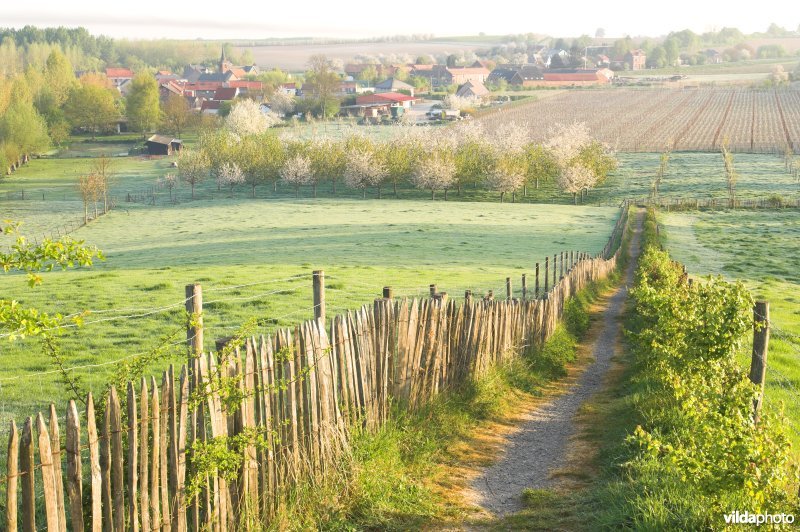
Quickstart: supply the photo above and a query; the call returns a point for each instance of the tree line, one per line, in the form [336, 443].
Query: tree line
[437, 160]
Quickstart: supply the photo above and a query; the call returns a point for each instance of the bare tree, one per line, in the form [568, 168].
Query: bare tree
[296, 171]
[730, 173]
[282, 104]
[102, 168]
[88, 187]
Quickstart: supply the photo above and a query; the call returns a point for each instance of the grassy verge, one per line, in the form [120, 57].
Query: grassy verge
[409, 474]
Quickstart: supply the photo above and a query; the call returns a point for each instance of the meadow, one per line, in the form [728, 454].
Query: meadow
[763, 250]
[254, 259]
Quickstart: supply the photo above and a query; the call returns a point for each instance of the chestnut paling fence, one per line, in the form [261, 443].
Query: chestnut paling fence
[219, 443]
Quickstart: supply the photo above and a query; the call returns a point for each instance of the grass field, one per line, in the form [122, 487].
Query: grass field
[152, 252]
[763, 250]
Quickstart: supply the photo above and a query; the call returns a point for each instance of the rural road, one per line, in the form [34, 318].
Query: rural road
[540, 445]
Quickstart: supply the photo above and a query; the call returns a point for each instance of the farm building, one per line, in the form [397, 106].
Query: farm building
[162, 145]
[394, 85]
[441, 76]
[577, 77]
[473, 89]
[390, 98]
[520, 75]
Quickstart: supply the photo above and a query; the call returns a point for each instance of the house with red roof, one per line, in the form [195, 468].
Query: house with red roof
[119, 76]
[390, 98]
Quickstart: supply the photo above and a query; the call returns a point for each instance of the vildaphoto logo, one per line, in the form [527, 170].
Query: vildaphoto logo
[747, 518]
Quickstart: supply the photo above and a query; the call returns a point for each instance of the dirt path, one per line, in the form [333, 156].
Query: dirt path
[540, 445]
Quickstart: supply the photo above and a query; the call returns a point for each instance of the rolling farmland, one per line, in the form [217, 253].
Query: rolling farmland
[753, 121]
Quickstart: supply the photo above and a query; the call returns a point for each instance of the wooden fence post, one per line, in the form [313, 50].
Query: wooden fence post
[433, 290]
[546, 273]
[562, 265]
[12, 464]
[555, 268]
[388, 293]
[536, 290]
[758, 363]
[467, 297]
[509, 290]
[524, 286]
[194, 330]
[319, 294]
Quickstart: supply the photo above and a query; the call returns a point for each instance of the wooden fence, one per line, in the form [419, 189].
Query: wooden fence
[219, 445]
[694, 204]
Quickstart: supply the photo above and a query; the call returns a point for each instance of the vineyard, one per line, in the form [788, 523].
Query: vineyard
[750, 120]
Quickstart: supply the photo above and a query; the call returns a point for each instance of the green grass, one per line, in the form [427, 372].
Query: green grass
[763, 250]
[152, 252]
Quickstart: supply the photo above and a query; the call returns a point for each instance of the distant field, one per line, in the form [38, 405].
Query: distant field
[731, 69]
[755, 121]
[294, 58]
[763, 250]
[152, 252]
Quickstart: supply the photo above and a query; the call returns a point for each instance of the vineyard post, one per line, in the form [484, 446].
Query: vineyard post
[758, 363]
[319, 294]
[194, 329]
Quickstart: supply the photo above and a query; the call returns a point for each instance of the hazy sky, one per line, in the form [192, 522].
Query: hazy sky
[215, 19]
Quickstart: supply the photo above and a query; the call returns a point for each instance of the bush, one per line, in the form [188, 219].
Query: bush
[698, 454]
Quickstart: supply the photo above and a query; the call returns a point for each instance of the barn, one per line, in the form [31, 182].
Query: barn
[162, 145]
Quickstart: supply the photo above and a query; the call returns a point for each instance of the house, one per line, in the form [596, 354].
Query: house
[473, 89]
[519, 75]
[124, 86]
[713, 57]
[290, 89]
[442, 76]
[577, 77]
[165, 89]
[118, 76]
[246, 86]
[394, 85]
[225, 94]
[384, 98]
[636, 59]
[355, 70]
[192, 73]
[165, 75]
[210, 107]
[163, 145]
[554, 57]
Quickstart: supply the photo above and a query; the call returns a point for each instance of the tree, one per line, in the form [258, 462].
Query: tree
[192, 167]
[230, 175]
[672, 51]
[574, 179]
[657, 57]
[600, 33]
[91, 108]
[325, 81]
[730, 173]
[59, 77]
[282, 104]
[170, 181]
[247, 118]
[22, 127]
[296, 171]
[434, 171]
[268, 160]
[102, 169]
[363, 170]
[778, 76]
[539, 164]
[399, 156]
[176, 113]
[473, 155]
[89, 187]
[142, 103]
[505, 177]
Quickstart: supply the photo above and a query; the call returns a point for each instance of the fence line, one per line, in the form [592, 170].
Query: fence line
[282, 407]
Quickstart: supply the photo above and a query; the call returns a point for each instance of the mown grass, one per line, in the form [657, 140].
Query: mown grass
[152, 253]
[402, 477]
[763, 250]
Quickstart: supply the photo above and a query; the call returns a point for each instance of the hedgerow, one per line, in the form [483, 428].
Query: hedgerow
[698, 452]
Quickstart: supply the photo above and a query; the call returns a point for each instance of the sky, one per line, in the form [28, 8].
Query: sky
[209, 19]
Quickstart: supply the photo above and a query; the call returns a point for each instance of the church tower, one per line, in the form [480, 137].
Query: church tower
[224, 64]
